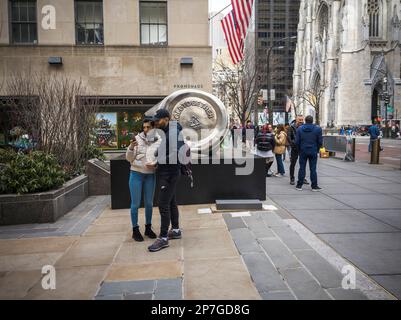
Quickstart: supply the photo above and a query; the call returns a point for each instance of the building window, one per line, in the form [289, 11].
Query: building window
[153, 23]
[23, 22]
[89, 21]
[323, 20]
[374, 18]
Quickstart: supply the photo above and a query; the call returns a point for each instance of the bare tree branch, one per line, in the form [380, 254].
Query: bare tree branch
[238, 86]
[49, 109]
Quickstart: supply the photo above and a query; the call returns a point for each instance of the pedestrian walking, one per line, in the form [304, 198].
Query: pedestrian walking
[309, 140]
[279, 149]
[265, 143]
[294, 155]
[168, 172]
[141, 155]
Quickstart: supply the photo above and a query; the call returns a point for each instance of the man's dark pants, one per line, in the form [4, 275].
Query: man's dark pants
[167, 202]
[312, 158]
[293, 158]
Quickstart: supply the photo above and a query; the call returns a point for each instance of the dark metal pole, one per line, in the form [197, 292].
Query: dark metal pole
[268, 82]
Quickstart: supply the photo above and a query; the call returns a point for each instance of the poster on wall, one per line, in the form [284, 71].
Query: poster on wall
[263, 118]
[278, 118]
[106, 130]
[129, 125]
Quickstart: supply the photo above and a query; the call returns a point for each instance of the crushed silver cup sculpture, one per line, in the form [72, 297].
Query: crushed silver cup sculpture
[203, 117]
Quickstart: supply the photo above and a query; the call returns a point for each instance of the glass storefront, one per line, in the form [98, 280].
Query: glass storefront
[118, 120]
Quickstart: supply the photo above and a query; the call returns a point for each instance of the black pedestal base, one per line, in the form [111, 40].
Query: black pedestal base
[211, 182]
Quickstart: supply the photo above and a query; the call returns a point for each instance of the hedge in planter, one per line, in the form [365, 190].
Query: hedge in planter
[29, 173]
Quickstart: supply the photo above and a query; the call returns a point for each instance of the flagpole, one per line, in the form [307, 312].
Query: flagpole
[219, 12]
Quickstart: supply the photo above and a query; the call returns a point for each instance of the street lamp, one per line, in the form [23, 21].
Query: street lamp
[268, 75]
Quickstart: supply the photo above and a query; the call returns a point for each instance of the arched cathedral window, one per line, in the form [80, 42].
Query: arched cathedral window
[374, 18]
[323, 19]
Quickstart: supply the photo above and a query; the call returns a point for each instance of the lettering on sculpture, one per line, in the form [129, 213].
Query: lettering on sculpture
[194, 122]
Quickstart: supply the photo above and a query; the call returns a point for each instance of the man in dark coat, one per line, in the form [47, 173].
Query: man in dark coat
[309, 140]
[291, 136]
[168, 172]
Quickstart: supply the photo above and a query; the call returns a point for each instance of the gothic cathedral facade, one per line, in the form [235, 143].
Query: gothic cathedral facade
[348, 61]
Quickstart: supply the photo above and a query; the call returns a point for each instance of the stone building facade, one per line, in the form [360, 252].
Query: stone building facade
[348, 54]
[132, 53]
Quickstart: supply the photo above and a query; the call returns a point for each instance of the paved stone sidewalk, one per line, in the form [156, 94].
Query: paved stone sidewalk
[294, 252]
[72, 224]
[358, 214]
[284, 266]
[105, 263]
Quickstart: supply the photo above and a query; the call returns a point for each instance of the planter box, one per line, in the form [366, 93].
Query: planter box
[45, 206]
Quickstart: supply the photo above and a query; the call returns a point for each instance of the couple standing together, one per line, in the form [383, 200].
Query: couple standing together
[145, 153]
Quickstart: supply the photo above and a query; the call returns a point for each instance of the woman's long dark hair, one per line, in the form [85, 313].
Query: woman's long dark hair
[280, 128]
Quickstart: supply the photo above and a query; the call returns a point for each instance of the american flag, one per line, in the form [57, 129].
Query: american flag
[243, 12]
[233, 37]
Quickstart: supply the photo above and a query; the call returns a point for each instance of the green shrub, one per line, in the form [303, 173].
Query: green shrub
[92, 152]
[33, 172]
[6, 155]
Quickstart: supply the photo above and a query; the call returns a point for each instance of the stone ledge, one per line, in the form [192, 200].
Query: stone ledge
[45, 206]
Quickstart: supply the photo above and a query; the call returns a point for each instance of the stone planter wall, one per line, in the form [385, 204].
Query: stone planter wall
[45, 206]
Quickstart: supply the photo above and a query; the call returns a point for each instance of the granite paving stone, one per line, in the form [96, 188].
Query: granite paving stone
[168, 289]
[303, 285]
[391, 282]
[257, 226]
[139, 296]
[233, 223]
[374, 253]
[245, 241]
[349, 294]
[282, 258]
[122, 287]
[340, 221]
[371, 201]
[325, 273]
[290, 238]
[263, 273]
[277, 295]
[110, 297]
[389, 216]
[304, 201]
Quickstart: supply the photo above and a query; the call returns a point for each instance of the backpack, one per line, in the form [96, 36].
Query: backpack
[264, 141]
[186, 169]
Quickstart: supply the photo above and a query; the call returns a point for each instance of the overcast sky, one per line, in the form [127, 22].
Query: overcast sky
[217, 5]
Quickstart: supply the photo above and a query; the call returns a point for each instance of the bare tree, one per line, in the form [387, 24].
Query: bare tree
[49, 108]
[238, 85]
[296, 103]
[313, 97]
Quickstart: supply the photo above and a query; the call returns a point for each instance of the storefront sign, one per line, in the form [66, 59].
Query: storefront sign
[188, 86]
[120, 101]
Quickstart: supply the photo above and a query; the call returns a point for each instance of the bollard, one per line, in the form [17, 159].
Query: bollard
[375, 154]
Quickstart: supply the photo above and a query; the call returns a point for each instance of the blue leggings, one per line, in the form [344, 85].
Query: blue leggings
[137, 182]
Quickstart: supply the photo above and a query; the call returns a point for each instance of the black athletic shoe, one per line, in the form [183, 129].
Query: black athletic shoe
[149, 232]
[173, 235]
[306, 182]
[158, 245]
[316, 189]
[136, 234]
[292, 181]
[298, 187]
